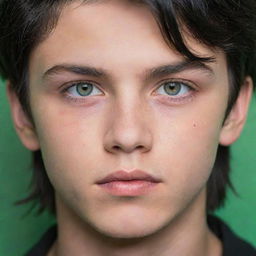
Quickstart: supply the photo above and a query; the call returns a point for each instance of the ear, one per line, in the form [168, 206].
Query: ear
[23, 125]
[235, 121]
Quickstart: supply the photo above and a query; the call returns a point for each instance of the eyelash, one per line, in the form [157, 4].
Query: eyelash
[74, 84]
[191, 87]
[175, 99]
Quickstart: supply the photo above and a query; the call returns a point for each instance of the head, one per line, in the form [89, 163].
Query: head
[168, 86]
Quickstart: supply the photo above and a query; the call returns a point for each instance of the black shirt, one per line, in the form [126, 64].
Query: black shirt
[232, 244]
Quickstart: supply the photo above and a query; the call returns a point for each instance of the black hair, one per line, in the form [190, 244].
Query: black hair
[226, 25]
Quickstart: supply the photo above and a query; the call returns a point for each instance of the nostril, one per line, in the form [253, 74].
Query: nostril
[127, 149]
[116, 147]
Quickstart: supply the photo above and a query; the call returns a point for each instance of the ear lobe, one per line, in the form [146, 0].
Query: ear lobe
[22, 124]
[235, 121]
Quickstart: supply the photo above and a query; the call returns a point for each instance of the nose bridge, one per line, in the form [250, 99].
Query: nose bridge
[129, 128]
[128, 109]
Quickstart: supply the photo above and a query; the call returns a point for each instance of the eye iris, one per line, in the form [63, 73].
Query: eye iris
[84, 89]
[172, 88]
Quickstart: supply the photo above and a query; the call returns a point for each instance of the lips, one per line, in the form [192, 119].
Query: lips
[122, 183]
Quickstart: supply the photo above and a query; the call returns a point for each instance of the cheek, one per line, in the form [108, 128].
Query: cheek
[69, 145]
[188, 147]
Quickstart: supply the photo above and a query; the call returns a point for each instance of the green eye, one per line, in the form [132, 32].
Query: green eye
[84, 89]
[173, 88]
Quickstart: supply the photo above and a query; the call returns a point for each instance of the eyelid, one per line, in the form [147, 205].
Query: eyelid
[187, 83]
[178, 80]
[69, 85]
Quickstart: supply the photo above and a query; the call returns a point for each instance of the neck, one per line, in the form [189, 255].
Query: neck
[187, 234]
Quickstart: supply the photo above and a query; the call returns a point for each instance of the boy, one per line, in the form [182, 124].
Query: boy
[134, 165]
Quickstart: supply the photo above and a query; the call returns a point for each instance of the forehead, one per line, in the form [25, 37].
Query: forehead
[106, 34]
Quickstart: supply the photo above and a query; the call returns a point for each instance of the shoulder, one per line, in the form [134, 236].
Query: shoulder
[232, 244]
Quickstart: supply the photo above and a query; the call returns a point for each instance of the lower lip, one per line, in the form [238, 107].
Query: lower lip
[128, 188]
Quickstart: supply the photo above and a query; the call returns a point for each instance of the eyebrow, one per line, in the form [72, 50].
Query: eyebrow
[177, 68]
[80, 70]
[152, 73]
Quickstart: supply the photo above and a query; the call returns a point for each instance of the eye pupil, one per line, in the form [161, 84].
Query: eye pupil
[84, 89]
[172, 88]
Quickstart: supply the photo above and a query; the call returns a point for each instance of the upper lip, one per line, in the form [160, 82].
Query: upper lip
[122, 175]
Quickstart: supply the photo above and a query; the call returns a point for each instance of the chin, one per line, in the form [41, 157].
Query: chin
[132, 233]
[123, 227]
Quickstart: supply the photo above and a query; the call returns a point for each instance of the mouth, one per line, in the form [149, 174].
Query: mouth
[123, 183]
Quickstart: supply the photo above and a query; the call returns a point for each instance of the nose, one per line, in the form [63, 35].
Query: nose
[129, 131]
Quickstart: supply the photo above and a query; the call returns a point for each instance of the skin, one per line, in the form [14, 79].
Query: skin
[128, 123]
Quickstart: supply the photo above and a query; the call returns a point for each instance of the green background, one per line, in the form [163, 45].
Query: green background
[19, 230]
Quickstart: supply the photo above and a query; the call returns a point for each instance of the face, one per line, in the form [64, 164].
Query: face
[108, 94]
